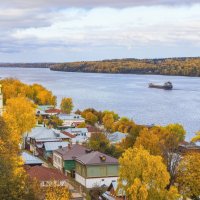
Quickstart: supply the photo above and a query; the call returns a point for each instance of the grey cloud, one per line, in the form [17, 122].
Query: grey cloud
[53, 4]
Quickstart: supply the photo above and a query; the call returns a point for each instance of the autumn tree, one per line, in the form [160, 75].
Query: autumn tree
[98, 142]
[21, 111]
[144, 177]
[54, 192]
[108, 121]
[82, 125]
[188, 176]
[66, 105]
[196, 138]
[14, 183]
[91, 118]
[163, 141]
[54, 122]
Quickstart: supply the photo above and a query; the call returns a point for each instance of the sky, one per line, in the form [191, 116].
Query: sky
[78, 30]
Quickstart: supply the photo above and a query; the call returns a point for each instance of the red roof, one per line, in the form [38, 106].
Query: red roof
[53, 110]
[68, 134]
[45, 174]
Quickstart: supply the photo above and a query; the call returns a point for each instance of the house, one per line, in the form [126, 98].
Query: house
[69, 119]
[49, 147]
[186, 147]
[96, 169]
[47, 176]
[64, 158]
[35, 140]
[81, 135]
[31, 160]
[113, 194]
[116, 137]
[53, 112]
[40, 110]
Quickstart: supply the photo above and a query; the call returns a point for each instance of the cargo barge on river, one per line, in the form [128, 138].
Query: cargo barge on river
[167, 86]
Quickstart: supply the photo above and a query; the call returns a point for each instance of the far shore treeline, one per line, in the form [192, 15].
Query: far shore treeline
[166, 66]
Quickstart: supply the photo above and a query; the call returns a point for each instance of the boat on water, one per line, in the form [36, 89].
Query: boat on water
[166, 86]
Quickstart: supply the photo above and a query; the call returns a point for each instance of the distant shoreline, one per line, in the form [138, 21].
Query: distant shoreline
[165, 66]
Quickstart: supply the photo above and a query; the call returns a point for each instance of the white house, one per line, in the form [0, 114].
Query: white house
[69, 120]
[96, 169]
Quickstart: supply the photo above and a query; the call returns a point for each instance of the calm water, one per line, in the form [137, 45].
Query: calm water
[128, 95]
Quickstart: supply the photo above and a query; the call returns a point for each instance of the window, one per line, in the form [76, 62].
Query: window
[112, 170]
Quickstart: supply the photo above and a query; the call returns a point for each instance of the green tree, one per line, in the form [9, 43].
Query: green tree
[66, 105]
[98, 142]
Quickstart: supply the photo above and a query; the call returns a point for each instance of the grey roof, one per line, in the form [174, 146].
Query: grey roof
[30, 159]
[77, 130]
[76, 150]
[51, 146]
[70, 117]
[94, 158]
[117, 137]
[43, 133]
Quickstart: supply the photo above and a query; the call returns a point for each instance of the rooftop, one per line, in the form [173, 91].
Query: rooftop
[30, 159]
[70, 117]
[75, 151]
[43, 133]
[52, 146]
[53, 110]
[96, 158]
[117, 137]
[45, 174]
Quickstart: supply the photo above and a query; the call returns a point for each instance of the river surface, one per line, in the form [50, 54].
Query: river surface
[126, 94]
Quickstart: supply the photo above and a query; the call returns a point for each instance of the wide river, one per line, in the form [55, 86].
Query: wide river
[127, 95]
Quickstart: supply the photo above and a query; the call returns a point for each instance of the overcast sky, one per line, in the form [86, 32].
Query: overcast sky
[74, 30]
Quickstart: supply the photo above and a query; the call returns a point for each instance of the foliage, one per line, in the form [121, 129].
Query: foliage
[197, 137]
[91, 118]
[168, 66]
[41, 95]
[14, 184]
[163, 141]
[21, 111]
[108, 121]
[66, 105]
[148, 178]
[96, 192]
[54, 192]
[98, 142]
[82, 125]
[54, 122]
[188, 177]
[14, 88]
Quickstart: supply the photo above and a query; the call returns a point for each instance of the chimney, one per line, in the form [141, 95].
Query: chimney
[60, 147]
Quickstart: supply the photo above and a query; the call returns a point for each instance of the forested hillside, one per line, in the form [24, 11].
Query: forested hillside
[168, 66]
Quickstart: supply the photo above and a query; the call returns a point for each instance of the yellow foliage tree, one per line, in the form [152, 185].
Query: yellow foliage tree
[144, 176]
[21, 113]
[108, 121]
[66, 105]
[163, 141]
[188, 176]
[54, 192]
[196, 138]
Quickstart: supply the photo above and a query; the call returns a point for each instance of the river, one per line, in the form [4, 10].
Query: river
[126, 94]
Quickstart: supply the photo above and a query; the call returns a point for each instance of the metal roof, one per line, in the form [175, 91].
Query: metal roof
[51, 146]
[30, 159]
[43, 133]
[117, 137]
